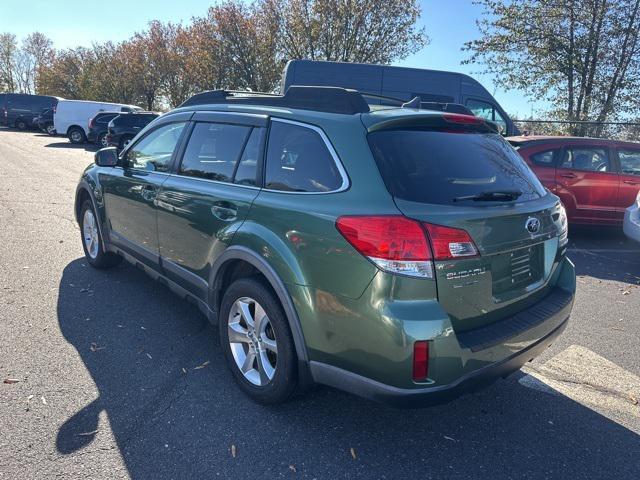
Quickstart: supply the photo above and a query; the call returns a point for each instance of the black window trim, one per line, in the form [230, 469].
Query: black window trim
[615, 167]
[334, 155]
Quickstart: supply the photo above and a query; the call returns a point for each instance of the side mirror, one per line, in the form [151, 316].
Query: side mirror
[106, 157]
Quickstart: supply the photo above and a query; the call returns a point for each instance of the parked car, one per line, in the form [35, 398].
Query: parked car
[431, 86]
[98, 128]
[631, 225]
[596, 179]
[123, 128]
[328, 248]
[72, 117]
[19, 109]
[44, 121]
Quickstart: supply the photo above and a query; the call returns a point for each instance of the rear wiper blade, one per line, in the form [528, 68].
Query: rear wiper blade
[494, 196]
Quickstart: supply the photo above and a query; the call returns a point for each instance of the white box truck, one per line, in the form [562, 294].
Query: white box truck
[72, 117]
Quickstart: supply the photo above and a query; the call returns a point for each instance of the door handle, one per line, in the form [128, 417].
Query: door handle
[224, 211]
[631, 182]
[568, 175]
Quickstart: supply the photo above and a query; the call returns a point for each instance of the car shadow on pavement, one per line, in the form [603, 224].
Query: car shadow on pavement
[89, 147]
[175, 412]
[604, 253]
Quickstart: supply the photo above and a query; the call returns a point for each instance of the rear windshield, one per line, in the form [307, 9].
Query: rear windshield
[439, 167]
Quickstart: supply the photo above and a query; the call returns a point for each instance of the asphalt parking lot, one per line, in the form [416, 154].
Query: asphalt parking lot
[119, 378]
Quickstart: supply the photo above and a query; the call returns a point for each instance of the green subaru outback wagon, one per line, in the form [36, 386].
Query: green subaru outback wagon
[404, 255]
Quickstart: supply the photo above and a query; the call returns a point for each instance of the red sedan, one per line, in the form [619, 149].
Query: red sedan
[595, 179]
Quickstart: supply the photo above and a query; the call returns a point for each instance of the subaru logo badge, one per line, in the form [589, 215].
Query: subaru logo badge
[532, 225]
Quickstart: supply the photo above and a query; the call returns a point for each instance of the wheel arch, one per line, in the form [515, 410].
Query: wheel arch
[71, 127]
[85, 192]
[237, 253]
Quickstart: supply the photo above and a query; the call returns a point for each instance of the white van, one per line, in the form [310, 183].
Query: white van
[72, 117]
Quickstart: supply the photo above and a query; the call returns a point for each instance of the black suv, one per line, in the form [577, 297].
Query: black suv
[44, 121]
[98, 128]
[124, 127]
[19, 109]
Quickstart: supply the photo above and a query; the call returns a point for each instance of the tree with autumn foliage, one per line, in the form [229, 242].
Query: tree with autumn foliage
[236, 45]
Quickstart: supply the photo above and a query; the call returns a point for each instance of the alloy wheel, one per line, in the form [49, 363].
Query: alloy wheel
[252, 341]
[90, 234]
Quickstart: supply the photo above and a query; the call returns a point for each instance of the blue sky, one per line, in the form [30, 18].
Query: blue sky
[71, 23]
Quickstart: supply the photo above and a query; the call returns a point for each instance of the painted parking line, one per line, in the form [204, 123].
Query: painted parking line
[588, 379]
[602, 250]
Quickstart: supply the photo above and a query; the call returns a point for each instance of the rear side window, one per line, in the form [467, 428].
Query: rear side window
[586, 159]
[144, 120]
[544, 159]
[298, 160]
[124, 120]
[431, 166]
[247, 170]
[213, 151]
[105, 118]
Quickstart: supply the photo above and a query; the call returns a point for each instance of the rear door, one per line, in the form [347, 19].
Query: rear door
[588, 184]
[202, 205]
[629, 167]
[443, 177]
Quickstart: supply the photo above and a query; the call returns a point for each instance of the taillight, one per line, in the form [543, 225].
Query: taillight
[91, 123]
[449, 243]
[400, 245]
[394, 243]
[420, 360]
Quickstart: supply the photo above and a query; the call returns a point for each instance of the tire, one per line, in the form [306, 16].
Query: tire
[76, 135]
[101, 141]
[21, 124]
[94, 250]
[50, 129]
[256, 382]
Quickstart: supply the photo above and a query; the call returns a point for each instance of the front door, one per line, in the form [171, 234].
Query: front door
[205, 202]
[629, 160]
[130, 192]
[587, 183]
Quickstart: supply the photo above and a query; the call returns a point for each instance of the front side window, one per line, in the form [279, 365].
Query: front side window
[155, 150]
[629, 162]
[298, 160]
[487, 111]
[586, 159]
[213, 151]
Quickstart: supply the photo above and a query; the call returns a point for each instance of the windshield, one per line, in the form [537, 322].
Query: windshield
[441, 167]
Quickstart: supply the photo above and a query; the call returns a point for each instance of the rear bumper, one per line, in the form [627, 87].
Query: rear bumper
[422, 397]
[458, 362]
[631, 224]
